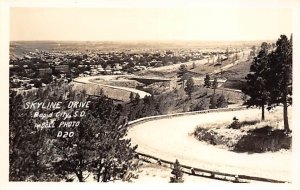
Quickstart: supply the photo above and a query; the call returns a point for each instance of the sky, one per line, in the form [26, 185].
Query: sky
[134, 24]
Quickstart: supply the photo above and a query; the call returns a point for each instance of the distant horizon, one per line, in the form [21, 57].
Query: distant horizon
[149, 24]
[129, 41]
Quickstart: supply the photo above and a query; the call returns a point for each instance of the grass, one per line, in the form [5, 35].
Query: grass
[236, 75]
[251, 135]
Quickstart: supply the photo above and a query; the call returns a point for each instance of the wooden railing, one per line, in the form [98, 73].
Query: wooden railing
[236, 178]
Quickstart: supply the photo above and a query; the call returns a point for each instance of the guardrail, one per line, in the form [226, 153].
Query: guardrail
[150, 118]
[236, 178]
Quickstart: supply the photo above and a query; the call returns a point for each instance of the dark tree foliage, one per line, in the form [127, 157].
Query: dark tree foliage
[213, 102]
[182, 73]
[257, 85]
[137, 98]
[222, 102]
[177, 173]
[131, 97]
[215, 85]
[27, 153]
[147, 106]
[270, 79]
[207, 82]
[37, 83]
[217, 101]
[190, 87]
[99, 145]
[280, 76]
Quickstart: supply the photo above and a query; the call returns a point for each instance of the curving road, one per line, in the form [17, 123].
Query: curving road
[87, 80]
[171, 138]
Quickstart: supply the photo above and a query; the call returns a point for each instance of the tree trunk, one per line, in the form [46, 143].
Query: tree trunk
[79, 176]
[263, 112]
[285, 117]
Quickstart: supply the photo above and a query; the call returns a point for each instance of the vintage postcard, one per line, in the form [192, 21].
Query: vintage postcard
[192, 93]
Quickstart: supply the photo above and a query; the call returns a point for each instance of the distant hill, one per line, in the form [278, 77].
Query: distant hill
[21, 47]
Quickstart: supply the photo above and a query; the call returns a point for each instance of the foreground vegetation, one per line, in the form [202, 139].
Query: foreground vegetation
[97, 146]
[249, 135]
[268, 84]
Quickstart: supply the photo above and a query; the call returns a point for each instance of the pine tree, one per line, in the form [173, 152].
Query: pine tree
[190, 86]
[257, 85]
[280, 76]
[207, 81]
[26, 143]
[137, 98]
[182, 73]
[177, 172]
[98, 145]
[131, 97]
[222, 102]
[215, 85]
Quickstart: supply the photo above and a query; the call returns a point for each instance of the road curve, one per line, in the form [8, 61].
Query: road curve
[171, 138]
[87, 80]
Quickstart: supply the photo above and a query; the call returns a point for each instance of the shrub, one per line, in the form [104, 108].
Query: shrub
[235, 125]
[177, 172]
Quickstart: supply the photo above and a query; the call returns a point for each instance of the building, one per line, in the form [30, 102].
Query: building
[44, 71]
[62, 68]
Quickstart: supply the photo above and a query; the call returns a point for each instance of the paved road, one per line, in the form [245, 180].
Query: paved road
[172, 139]
[175, 67]
[87, 80]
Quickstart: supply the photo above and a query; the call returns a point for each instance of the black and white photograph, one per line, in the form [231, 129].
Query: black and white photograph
[198, 93]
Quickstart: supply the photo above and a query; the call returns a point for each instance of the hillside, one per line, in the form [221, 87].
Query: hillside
[236, 75]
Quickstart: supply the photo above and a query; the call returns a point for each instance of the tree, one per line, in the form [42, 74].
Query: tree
[280, 76]
[177, 172]
[257, 85]
[207, 81]
[26, 143]
[222, 102]
[213, 102]
[37, 83]
[137, 98]
[215, 85]
[131, 97]
[182, 73]
[190, 86]
[98, 146]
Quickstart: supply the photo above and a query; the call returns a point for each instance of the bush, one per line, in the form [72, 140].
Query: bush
[235, 125]
[177, 172]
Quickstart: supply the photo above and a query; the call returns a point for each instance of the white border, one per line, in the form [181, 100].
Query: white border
[5, 6]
